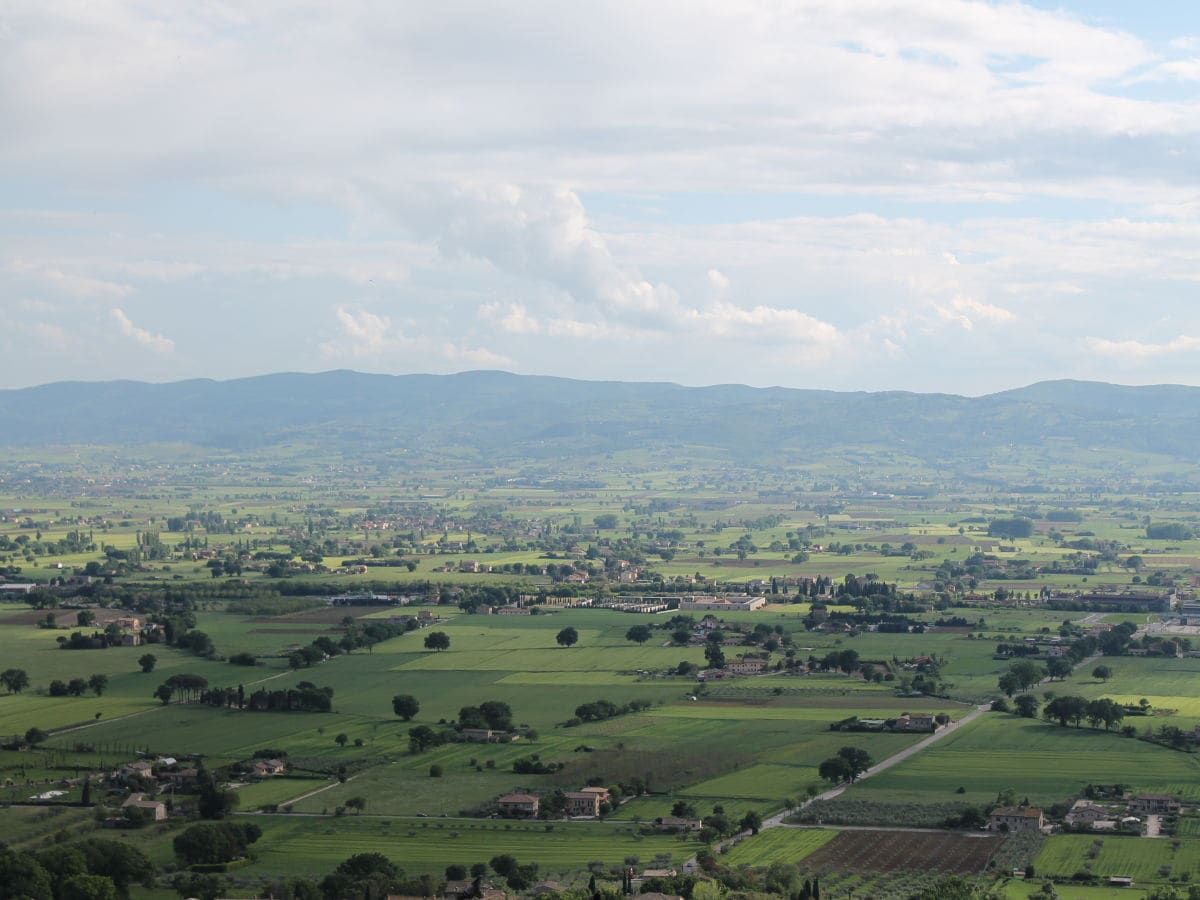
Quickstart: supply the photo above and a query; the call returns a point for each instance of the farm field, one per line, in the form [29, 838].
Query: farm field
[786, 845]
[1146, 860]
[305, 846]
[721, 749]
[899, 851]
[1043, 762]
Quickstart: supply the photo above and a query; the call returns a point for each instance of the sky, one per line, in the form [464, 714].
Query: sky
[928, 195]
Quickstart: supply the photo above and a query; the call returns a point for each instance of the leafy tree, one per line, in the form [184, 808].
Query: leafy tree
[358, 803]
[98, 683]
[568, 637]
[77, 687]
[437, 640]
[1102, 672]
[835, 770]
[164, 692]
[639, 634]
[341, 739]
[714, 655]
[1027, 706]
[147, 661]
[21, 878]
[215, 842]
[119, 861]
[857, 760]
[35, 736]
[1021, 676]
[215, 802]
[1105, 712]
[1066, 709]
[497, 714]
[363, 875]
[1010, 528]
[14, 680]
[751, 822]
[421, 738]
[201, 886]
[405, 706]
[1058, 667]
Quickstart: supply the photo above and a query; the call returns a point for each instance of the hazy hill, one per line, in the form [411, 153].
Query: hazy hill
[498, 415]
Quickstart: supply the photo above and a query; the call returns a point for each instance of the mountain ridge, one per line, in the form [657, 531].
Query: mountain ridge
[490, 413]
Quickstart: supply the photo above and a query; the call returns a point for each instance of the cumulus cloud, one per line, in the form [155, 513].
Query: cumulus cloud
[464, 198]
[967, 311]
[156, 342]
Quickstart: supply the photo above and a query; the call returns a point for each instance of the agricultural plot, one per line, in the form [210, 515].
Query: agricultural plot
[312, 847]
[899, 851]
[1043, 762]
[779, 845]
[1146, 860]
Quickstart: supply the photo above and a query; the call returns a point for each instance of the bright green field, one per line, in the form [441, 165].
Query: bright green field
[786, 845]
[1044, 762]
[1135, 857]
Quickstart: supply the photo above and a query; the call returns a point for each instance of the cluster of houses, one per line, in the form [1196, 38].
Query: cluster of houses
[583, 803]
[907, 723]
[1091, 815]
[1122, 814]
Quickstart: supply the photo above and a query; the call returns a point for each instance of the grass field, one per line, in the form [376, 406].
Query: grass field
[786, 845]
[1043, 762]
[1146, 860]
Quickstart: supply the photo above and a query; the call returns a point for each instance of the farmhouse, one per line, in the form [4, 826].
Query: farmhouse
[1016, 818]
[1086, 812]
[747, 665]
[1154, 805]
[722, 604]
[511, 611]
[678, 823]
[267, 767]
[157, 810]
[601, 792]
[484, 736]
[519, 806]
[918, 723]
[582, 803]
[136, 770]
[10, 589]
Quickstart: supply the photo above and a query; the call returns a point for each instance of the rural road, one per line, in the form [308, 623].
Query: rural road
[776, 821]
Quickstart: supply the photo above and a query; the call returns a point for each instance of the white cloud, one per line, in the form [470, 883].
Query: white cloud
[1135, 352]
[419, 160]
[967, 311]
[371, 337]
[156, 342]
[1173, 70]
[718, 279]
[71, 284]
[364, 334]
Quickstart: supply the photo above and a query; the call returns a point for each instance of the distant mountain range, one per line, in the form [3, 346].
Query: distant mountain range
[495, 416]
